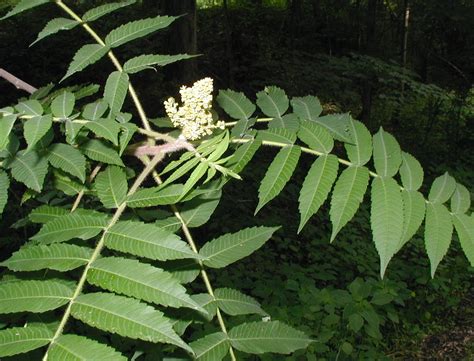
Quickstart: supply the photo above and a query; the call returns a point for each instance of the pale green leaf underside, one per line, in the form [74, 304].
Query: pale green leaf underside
[213, 347]
[360, 151]
[63, 105]
[126, 317]
[461, 200]
[100, 152]
[262, 337]
[30, 107]
[24, 5]
[16, 340]
[68, 159]
[387, 154]
[386, 218]
[139, 280]
[278, 174]
[438, 233]
[316, 187]
[4, 185]
[80, 348]
[95, 111]
[273, 101]
[287, 121]
[147, 240]
[347, 195]
[35, 128]
[413, 214]
[232, 247]
[116, 89]
[442, 189]
[33, 296]
[59, 257]
[102, 10]
[465, 229]
[6, 125]
[85, 56]
[111, 186]
[316, 137]
[337, 125]
[143, 62]
[236, 104]
[411, 172]
[307, 108]
[234, 302]
[30, 169]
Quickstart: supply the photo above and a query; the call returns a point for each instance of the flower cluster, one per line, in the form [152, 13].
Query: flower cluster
[194, 117]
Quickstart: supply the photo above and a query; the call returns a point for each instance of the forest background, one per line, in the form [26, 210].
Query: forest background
[406, 65]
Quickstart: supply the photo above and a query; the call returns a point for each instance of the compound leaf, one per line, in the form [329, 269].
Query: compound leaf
[111, 185]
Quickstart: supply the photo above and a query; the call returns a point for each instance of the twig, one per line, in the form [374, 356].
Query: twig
[18, 83]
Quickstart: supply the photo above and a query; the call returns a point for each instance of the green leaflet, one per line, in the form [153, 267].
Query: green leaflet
[102, 10]
[68, 159]
[262, 337]
[316, 137]
[30, 169]
[411, 172]
[111, 186]
[199, 210]
[155, 196]
[279, 135]
[232, 247]
[35, 128]
[147, 240]
[287, 121]
[46, 213]
[126, 133]
[387, 154]
[24, 5]
[4, 185]
[33, 296]
[386, 218]
[30, 107]
[461, 200]
[307, 108]
[235, 104]
[465, 229]
[234, 302]
[137, 29]
[54, 26]
[59, 257]
[6, 125]
[316, 186]
[337, 125]
[213, 347]
[143, 62]
[66, 184]
[100, 152]
[85, 56]
[126, 317]
[273, 101]
[86, 91]
[16, 340]
[75, 348]
[278, 174]
[141, 281]
[94, 111]
[442, 189]
[105, 128]
[116, 89]
[413, 214]
[70, 226]
[243, 155]
[347, 195]
[242, 128]
[438, 233]
[360, 151]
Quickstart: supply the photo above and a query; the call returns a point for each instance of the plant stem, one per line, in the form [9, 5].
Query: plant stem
[98, 248]
[81, 193]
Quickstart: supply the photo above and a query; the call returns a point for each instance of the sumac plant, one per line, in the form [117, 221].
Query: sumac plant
[114, 251]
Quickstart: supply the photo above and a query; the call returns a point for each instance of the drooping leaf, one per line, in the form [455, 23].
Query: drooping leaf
[16, 340]
[316, 187]
[143, 62]
[155, 196]
[413, 214]
[360, 151]
[6, 125]
[68, 159]
[30, 169]
[235, 104]
[24, 5]
[111, 185]
[85, 56]
[442, 189]
[386, 218]
[101, 152]
[213, 347]
[465, 229]
[273, 101]
[234, 302]
[307, 108]
[147, 240]
[262, 337]
[387, 154]
[232, 247]
[137, 29]
[30, 107]
[102, 10]
[46, 213]
[35, 128]
[338, 126]
[4, 185]
[278, 174]
[33, 296]
[70, 226]
[438, 233]
[279, 135]
[243, 155]
[59, 257]
[199, 210]
[411, 172]
[96, 110]
[316, 137]
[116, 89]
[126, 317]
[55, 25]
[141, 281]
[461, 200]
[347, 195]
[75, 348]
